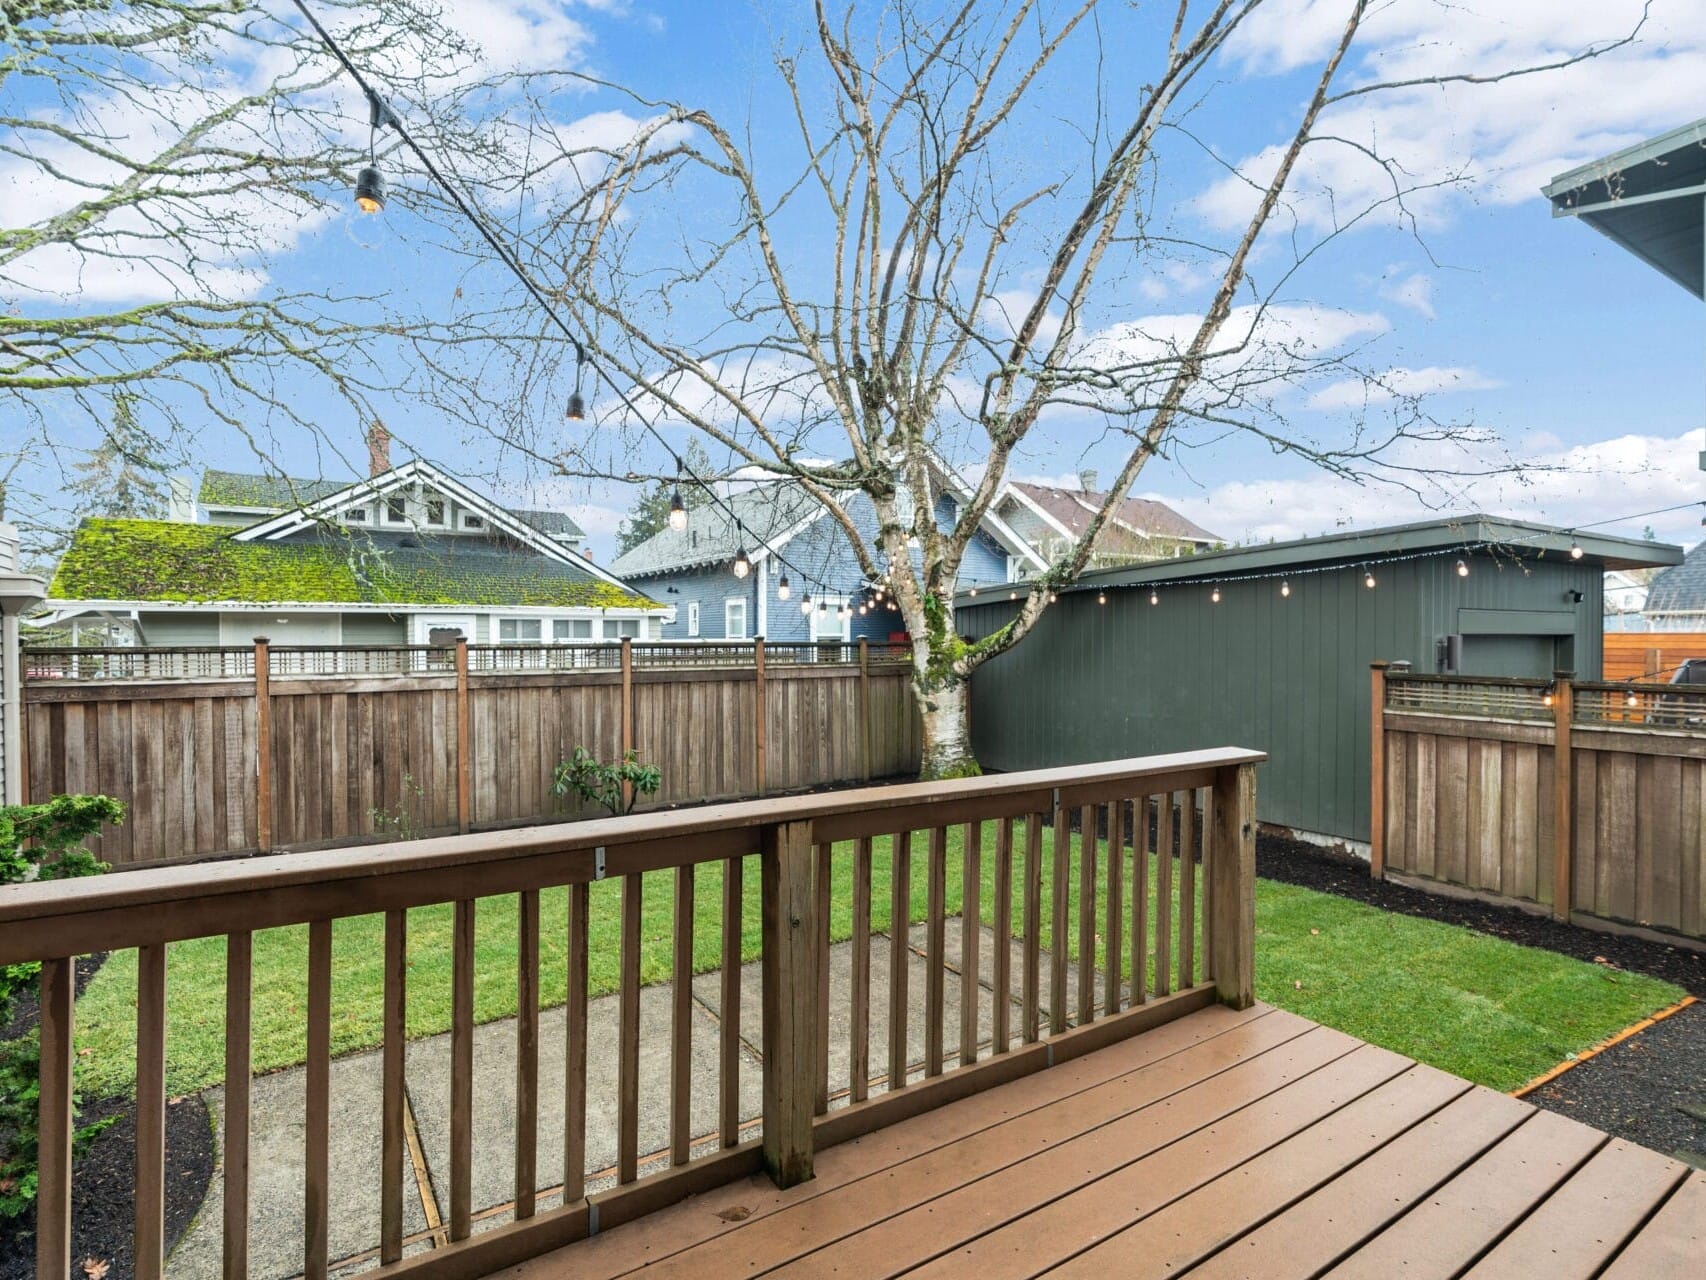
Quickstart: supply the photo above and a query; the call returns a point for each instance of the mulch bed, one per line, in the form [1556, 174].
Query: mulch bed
[1296, 862]
[103, 1181]
[1632, 1089]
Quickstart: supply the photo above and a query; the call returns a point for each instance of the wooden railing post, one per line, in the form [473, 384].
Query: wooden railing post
[1563, 795]
[1232, 886]
[790, 984]
[464, 739]
[54, 1121]
[263, 745]
[864, 709]
[759, 712]
[1377, 770]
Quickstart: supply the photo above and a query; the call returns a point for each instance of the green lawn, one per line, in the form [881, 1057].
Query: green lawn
[1477, 1006]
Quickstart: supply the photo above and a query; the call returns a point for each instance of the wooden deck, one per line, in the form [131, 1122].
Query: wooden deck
[1221, 1144]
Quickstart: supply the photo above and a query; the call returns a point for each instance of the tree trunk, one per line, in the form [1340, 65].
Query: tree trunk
[943, 707]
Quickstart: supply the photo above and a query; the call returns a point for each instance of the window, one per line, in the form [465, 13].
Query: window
[357, 516]
[397, 509]
[828, 624]
[734, 619]
[617, 628]
[473, 522]
[519, 630]
[692, 617]
[564, 629]
[435, 511]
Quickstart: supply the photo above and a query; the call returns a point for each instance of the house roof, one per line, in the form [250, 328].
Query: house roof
[772, 512]
[1650, 198]
[169, 561]
[1681, 588]
[1372, 545]
[286, 493]
[1074, 508]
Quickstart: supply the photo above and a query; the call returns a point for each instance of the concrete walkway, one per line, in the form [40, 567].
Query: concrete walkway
[276, 1211]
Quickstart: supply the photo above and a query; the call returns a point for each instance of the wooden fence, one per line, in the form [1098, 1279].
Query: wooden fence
[1588, 799]
[242, 750]
[1637, 655]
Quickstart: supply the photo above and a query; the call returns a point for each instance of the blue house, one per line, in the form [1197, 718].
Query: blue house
[788, 535]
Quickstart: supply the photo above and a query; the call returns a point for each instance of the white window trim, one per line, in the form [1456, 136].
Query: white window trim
[693, 618]
[730, 606]
[836, 603]
[498, 623]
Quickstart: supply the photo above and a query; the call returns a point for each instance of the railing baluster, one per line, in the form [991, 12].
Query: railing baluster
[527, 1054]
[681, 1020]
[971, 937]
[392, 1138]
[1206, 889]
[462, 1071]
[859, 1056]
[1140, 899]
[1001, 952]
[1060, 955]
[54, 1122]
[1164, 895]
[1086, 914]
[1115, 922]
[935, 958]
[820, 1100]
[574, 1067]
[1031, 1018]
[1187, 888]
[728, 1023]
[628, 1037]
[317, 1148]
[239, 997]
[149, 1247]
[900, 915]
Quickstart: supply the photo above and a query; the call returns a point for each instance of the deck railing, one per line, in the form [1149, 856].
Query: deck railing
[208, 662]
[1085, 946]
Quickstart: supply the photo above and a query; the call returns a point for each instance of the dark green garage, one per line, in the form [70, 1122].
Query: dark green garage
[1280, 661]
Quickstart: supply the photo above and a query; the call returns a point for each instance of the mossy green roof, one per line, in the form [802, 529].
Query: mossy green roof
[163, 560]
[270, 493]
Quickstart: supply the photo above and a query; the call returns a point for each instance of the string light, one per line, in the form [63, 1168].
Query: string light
[1631, 700]
[678, 508]
[1214, 597]
[1368, 579]
[743, 566]
[806, 605]
[1154, 596]
[1101, 597]
[1575, 549]
[783, 590]
[1285, 588]
[1463, 568]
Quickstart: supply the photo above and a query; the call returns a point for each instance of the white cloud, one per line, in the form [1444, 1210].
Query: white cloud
[1414, 291]
[1501, 140]
[1570, 487]
[1353, 393]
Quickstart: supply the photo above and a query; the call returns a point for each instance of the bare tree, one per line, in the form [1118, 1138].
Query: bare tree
[165, 156]
[927, 272]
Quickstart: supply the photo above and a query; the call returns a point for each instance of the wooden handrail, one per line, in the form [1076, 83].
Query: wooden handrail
[793, 838]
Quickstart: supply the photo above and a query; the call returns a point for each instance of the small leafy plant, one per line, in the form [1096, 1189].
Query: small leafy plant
[585, 775]
[46, 839]
[400, 823]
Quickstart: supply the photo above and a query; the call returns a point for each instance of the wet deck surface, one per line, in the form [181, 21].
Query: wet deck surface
[1221, 1144]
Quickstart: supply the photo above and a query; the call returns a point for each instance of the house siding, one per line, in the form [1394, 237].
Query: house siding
[709, 587]
[180, 628]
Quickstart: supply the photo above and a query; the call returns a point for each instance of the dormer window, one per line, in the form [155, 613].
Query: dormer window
[356, 516]
[397, 509]
[473, 522]
[435, 511]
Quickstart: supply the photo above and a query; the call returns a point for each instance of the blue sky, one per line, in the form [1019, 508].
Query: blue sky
[1585, 362]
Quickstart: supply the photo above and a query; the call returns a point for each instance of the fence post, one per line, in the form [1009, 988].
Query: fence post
[1377, 770]
[263, 745]
[864, 709]
[464, 739]
[759, 714]
[790, 985]
[627, 711]
[1232, 886]
[1563, 795]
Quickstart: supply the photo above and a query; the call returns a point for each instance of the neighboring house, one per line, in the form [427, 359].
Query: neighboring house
[385, 560]
[1676, 598]
[1054, 520]
[692, 568]
[1625, 598]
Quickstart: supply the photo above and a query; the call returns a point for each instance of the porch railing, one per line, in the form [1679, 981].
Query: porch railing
[1086, 945]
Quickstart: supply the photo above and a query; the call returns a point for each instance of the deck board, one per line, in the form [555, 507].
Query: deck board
[1221, 1144]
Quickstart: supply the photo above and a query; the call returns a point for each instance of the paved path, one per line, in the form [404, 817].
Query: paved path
[276, 1227]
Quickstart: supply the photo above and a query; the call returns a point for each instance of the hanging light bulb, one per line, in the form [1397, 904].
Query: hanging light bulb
[806, 605]
[678, 513]
[1101, 597]
[1052, 597]
[783, 590]
[823, 606]
[1575, 549]
[863, 611]
[1463, 568]
[1012, 595]
[577, 413]
[974, 593]
[1368, 579]
[1154, 596]
[1631, 700]
[1285, 588]
[1546, 698]
[1214, 596]
[370, 189]
[743, 566]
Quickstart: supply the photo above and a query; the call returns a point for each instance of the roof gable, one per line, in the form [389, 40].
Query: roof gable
[1071, 510]
[1681, 588]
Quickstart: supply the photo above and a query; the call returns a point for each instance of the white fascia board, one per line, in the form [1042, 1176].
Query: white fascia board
[776, 544]
[1039, 511]
[359, 606]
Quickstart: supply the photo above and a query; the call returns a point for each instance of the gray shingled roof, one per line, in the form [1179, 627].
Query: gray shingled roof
[768, 511]
[1075, 507]
[284, 493]
[1681, 588]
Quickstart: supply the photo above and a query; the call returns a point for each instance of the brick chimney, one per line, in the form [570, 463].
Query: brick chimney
[1086, 480]
[378, 449]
